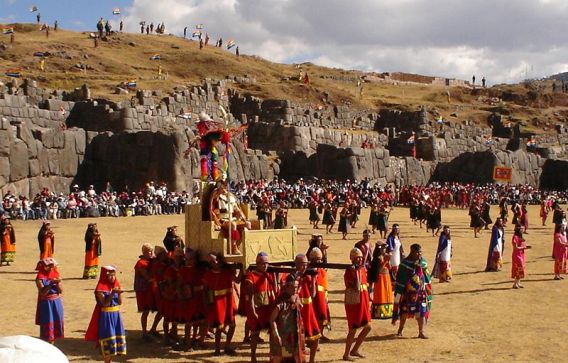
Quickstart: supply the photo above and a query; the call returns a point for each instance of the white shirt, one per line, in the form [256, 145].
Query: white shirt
[499, 245]
[395, 257]
[446, 253]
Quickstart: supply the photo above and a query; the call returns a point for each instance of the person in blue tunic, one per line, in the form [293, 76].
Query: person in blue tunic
[49, 311]
[106, 326]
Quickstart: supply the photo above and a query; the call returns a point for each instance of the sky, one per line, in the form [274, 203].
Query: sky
[503, 40]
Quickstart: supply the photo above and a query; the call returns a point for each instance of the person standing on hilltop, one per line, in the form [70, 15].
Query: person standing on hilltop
[121, 26]
[108, 28]
[237, 53]
[38, 18]
[55, 26]
[483, 82]
[473, 80]
[100, 27]
[184, 32]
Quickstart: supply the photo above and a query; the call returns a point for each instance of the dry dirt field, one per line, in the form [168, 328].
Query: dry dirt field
[478, 317]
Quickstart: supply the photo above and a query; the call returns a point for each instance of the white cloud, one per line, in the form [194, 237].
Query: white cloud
[498, 39]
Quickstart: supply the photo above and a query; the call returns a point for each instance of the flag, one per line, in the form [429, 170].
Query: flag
[116, 11]
[196, 34]
[14, 73]
[33, 8]
[131, 84]
[7, 31]
[199, 26]
[186, 116]
[230, 44]
[156, 57]
[410, 140]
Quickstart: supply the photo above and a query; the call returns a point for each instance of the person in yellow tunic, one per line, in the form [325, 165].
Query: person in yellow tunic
[8, 242]
[46, 240]
[379, 275]
[93, 250]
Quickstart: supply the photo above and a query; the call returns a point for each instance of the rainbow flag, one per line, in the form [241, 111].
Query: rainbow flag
[7, 31]
[231, 44]
[116, 11]
[33, 8]
[199, 26]
[131, 84]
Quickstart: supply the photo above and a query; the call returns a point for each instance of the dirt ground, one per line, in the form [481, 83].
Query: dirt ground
[477, 317]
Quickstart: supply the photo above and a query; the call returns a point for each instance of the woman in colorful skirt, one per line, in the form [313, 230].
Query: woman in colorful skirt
[379, 275]
[442, 266]
[106, 326]
[93, 250]
[8, 242]
[49, 312]
[46, 240]
[560, 251]
[518, 258]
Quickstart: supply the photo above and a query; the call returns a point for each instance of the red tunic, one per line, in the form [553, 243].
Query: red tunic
[264, 294]
[158, 270]
[191, 303]
[221, 309]
[144, 294]
[311, 326]
[169, 294]
[358, 314]
[321, 308]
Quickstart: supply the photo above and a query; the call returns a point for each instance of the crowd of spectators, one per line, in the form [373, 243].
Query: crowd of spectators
[151, 200]
[156, 199]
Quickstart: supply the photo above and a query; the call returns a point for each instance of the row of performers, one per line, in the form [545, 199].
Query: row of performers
[292, 304]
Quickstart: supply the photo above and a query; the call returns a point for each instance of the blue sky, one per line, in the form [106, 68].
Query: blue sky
[503, 40]
[71, 14]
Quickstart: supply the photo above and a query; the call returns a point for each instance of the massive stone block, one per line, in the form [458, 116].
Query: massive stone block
[19, 166]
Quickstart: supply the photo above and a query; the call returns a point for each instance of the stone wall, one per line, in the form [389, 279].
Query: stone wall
[284, 138]
[477, 167]
[285, 112]
[54, 138]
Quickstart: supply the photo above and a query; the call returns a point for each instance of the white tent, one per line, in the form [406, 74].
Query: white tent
[25, 349]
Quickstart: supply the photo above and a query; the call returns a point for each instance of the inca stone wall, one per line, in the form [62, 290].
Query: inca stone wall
[54, 138]
[51, 138]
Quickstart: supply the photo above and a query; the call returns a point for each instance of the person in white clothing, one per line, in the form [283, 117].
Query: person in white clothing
[442, 267]
[394, 247]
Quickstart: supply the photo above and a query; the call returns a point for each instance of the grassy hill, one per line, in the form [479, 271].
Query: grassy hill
[126, 56]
